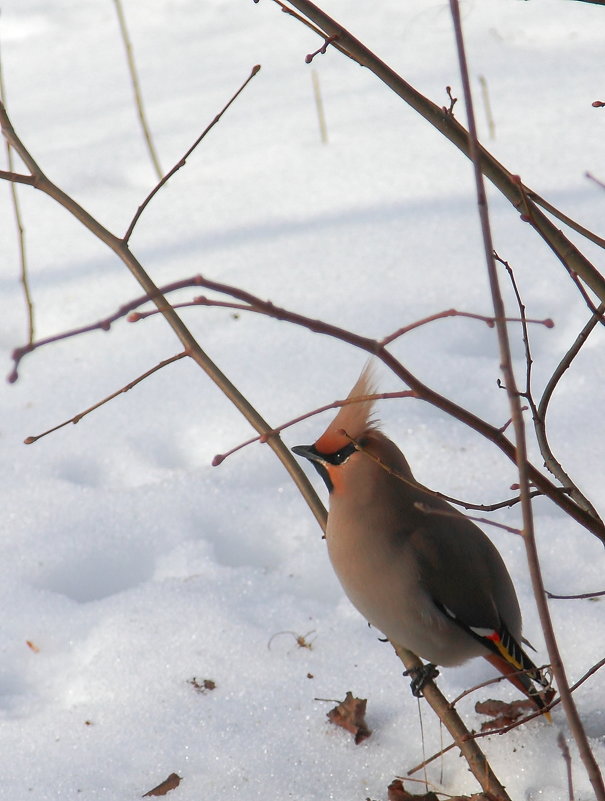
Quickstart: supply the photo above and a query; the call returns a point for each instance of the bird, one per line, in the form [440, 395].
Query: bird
[414, 566]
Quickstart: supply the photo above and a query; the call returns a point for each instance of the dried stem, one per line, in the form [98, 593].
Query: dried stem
[567, 759]
[510, 186]
[582, 595]
[490, 321]
[550, 461]
[539, 413]
[557, 666]
[76, 418]
[183, 160]
[373, 346]
[191, 346]
[137, 88]
[24, 276]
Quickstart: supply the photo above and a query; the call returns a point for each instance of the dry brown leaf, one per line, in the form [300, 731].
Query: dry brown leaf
[203, 685]
[397, 792]
[171, 783]
[350, 714]
[32, 646]
[502, 714]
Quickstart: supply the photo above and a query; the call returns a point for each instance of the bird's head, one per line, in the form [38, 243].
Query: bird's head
[339, 442]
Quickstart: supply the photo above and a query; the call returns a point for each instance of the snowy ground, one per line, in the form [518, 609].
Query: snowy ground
[128, 563]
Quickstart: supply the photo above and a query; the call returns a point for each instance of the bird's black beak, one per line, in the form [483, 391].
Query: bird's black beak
[309, 452]
[318, 460]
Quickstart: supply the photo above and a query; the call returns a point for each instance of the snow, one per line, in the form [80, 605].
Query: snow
[132, 566]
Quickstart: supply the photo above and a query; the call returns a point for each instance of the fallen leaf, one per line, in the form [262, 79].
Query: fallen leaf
[502, 714]
[171, 783]
[33, 646]
[203, 686]
[397, 792]
[350, 714]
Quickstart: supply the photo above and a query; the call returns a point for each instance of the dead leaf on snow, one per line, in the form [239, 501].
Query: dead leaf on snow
[202, 685]
[350, 714]
[397, 792]
[171, 783]
[502, 714]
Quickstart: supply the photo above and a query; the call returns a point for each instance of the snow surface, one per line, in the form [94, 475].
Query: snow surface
[130, 564]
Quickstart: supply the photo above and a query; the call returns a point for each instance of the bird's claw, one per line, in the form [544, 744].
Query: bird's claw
[420, 676]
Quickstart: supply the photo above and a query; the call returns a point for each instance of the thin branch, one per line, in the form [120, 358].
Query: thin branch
[571, 712]
[550, 461]
[582, 595]
[539, 414]
[564, 218]
[29, 305]
[489, 321]
[424, 392]
[525, 333]
[191, 346]
[562, 743]
[136, 317]
[595, 180]
[373, 346]
[489, 682]
[137, 88]
[220, 457]
[76, 418]
[183, 160]
[427, 510]
[562, 247]
[17, 178]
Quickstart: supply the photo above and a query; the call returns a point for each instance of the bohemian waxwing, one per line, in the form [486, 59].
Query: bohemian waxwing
[414, 566]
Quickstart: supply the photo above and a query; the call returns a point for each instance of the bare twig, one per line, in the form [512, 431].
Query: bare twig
[582, 595]
[550, 461]
[182, 161]
[595, 180]
[373, 346]
[220, 457]
[453, 101]
[563, 248]
[539, 414]
[191, 346]
[254, 304]
[489, 321]
[319, 106]
[489, 682]
[571, 712]
[321, 50]
[567, 759]
[24, 277]
[427, 510]
[137, 88]
[76, 418]
[491, 126]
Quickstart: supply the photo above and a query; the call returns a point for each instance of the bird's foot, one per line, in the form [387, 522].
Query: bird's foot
[420, 676]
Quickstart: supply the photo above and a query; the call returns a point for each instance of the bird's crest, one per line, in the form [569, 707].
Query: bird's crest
[352, 418]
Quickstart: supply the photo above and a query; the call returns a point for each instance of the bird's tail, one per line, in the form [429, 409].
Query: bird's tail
[512, 661]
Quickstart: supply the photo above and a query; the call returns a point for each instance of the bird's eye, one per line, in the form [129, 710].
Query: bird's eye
[343, 454]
